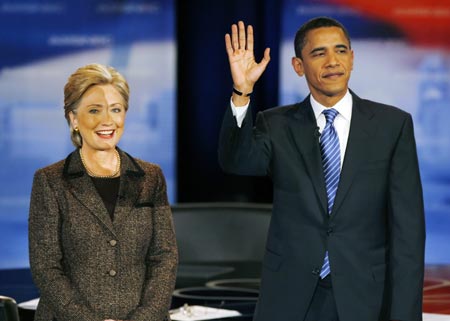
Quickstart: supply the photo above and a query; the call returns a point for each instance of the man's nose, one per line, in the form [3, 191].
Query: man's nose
[332, 60]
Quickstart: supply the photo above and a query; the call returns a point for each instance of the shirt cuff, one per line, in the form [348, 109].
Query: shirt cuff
[239, 112]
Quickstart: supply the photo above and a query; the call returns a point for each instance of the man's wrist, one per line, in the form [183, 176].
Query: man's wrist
[239, 101]
[240, 93]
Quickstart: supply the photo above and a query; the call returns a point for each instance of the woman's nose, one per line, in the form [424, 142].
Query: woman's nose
[106, 119]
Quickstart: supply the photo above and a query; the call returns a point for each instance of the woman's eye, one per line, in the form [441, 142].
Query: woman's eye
[93, 111]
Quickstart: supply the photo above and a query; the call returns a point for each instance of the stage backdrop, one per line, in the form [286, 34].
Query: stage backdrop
[402, 58]
[42, 43]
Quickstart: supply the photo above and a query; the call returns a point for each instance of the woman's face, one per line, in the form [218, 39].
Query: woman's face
[100, 118]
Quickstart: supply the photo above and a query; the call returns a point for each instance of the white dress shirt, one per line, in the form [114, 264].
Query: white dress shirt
[341, 122]
[239, 112]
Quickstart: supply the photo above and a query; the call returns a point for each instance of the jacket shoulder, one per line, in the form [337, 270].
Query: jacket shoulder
[54, 170]
[278, 110]
[281, 110]
[385, 110]
[148, 167]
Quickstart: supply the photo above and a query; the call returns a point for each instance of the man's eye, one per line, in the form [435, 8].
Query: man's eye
[116, 110]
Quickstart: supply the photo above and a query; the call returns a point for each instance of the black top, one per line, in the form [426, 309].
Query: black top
[108, 188]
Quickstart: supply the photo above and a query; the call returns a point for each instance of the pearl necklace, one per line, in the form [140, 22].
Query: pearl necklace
[92, 174]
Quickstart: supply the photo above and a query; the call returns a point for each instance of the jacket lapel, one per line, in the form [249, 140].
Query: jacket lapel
[362, 128]
[84, 190]
[130, 187]
[303, 127]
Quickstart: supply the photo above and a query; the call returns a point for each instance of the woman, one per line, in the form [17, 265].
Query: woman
[101, 237]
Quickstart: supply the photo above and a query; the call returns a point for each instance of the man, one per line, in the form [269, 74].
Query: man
[346, 239]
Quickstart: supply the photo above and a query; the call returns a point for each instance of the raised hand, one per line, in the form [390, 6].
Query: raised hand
[245, 71]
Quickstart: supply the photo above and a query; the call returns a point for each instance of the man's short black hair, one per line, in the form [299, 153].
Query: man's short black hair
[315, 23]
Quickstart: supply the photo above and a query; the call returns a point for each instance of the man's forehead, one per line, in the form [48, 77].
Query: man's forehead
[327, 37]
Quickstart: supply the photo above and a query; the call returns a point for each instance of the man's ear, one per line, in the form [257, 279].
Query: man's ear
[353, 57]
[73, 120]
[297, 64]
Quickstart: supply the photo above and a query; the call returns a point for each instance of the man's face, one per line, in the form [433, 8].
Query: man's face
[327, 62]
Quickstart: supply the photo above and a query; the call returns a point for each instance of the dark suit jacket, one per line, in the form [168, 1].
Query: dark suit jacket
[89, 268]
[375, 236]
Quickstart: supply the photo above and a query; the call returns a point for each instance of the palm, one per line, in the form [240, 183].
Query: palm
[245, 71]
[244, 68]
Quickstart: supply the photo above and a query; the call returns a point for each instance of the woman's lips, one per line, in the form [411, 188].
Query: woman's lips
[105, 133]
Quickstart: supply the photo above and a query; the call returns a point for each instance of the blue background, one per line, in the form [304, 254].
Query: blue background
[172, 53]
[390, 69]
[42, 44]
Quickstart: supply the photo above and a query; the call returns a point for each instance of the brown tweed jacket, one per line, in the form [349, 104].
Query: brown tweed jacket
[90, 268]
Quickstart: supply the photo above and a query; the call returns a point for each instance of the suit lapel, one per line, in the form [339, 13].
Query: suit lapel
[303, 127]
[362, 128]
[84, 190]
[130, 187]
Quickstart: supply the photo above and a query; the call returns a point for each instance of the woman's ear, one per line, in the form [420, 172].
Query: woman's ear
[73, 120]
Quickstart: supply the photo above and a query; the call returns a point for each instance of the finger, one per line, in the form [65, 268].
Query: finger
[267, 55]
[234, 37]
[250, 40]
[241, 35]
[228, 45]
[265, 61]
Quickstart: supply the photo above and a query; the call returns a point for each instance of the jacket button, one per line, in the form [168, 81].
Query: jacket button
[113, 242]
[316, 271]
[112, 273]
[329, 231]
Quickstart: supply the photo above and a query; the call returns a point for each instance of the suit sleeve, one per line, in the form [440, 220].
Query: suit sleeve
[161, 260]
[407, 228]
[46, 255]
[245, 150]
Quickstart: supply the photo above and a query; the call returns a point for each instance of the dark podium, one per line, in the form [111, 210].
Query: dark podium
[221, 246]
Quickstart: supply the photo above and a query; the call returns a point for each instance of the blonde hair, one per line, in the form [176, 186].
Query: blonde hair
[84, 78]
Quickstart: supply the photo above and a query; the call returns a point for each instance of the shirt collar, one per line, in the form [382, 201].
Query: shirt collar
[343, 106]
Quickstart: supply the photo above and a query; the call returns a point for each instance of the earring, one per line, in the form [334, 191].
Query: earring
[76, 129]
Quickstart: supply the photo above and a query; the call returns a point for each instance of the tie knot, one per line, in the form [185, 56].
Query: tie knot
[330, 114]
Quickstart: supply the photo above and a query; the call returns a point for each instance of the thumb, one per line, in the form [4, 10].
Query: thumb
[265, 60]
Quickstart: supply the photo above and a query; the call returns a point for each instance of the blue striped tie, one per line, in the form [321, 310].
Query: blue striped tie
[331, 162]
